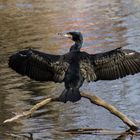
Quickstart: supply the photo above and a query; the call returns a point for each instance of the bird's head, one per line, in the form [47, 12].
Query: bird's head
[75, 36]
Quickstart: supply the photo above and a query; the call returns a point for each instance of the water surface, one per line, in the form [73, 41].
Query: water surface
[34, 24]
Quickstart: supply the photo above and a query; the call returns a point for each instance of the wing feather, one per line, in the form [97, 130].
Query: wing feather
[38, 65]
[87, 70]
[115, 64]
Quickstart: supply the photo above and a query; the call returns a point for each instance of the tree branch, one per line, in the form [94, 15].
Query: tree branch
[93, 99]
[98, 101]
[29, 112]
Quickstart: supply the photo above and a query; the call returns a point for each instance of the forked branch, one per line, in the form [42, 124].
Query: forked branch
[93, 99]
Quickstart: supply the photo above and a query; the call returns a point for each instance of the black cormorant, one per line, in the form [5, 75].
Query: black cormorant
[74, 67]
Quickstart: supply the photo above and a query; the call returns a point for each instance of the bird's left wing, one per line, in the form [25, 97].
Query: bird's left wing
[39, 66]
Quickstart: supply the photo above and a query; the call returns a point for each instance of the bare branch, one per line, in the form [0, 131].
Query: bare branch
[93, 99]
[29, 112]
[98, 101]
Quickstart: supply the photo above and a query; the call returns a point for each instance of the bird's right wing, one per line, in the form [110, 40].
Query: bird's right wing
[115, 64]
[38, 65]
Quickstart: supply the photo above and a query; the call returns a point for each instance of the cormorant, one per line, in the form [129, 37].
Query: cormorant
[75, 66]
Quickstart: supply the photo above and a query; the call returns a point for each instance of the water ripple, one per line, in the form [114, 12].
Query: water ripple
[105, 25]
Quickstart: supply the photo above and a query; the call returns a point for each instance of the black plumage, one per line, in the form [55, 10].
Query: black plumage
[74, 67]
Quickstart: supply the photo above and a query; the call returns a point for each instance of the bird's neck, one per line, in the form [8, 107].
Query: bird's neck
[77, 46]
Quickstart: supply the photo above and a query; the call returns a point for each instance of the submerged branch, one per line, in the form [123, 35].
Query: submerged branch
[99, 131]
[93, 99]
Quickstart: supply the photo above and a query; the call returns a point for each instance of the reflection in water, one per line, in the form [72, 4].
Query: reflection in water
[34, 24]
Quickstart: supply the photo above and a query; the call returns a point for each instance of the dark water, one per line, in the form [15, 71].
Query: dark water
[32, 23]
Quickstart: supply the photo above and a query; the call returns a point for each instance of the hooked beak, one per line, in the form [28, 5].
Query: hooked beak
[65, 35]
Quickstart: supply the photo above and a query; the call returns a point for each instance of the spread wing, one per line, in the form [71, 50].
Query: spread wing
[38, 65]
[115, 64]
[87, 70]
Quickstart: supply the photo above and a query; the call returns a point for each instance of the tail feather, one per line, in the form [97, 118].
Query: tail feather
[72, 95]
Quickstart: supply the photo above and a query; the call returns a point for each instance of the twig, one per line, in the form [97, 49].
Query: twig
[29, 112]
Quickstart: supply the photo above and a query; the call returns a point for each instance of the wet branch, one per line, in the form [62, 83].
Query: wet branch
[29, 112]
[98, 101]
[93, 99]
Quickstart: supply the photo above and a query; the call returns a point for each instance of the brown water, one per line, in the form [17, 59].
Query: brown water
[34, 24]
